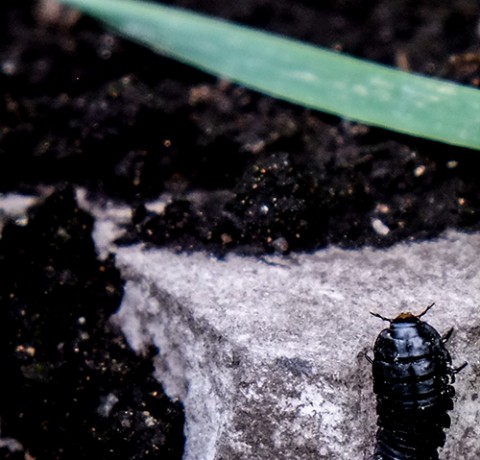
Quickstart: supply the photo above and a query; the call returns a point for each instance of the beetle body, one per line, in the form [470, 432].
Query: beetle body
[412, 373]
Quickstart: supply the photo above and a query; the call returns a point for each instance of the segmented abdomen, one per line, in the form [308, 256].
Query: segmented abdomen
[412, 374]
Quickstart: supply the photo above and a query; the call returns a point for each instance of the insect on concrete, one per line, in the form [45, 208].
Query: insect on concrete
[412, 377]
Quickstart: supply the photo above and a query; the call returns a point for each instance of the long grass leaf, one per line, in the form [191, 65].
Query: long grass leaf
[300, 73]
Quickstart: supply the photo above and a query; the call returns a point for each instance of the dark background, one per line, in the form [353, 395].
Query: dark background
[240, 172]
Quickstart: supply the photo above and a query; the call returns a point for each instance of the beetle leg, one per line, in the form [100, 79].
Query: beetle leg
[456, 370]
[447, 335]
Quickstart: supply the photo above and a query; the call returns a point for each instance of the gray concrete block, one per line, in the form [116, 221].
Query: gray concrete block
[268, 355]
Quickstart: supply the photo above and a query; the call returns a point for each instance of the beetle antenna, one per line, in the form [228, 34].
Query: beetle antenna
[381, 317]
[426, 310]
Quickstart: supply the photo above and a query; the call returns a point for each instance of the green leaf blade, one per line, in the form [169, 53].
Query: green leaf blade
[300, 73]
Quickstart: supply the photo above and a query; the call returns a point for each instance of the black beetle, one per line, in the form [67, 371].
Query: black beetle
[412, 375]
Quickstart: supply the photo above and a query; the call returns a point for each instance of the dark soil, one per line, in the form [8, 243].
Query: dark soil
[242, 172]
[71, 387]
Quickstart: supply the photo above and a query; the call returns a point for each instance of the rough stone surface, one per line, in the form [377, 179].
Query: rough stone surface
[268, 355]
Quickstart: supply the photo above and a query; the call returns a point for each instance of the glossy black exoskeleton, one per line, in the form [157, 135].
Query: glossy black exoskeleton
[412, 374]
